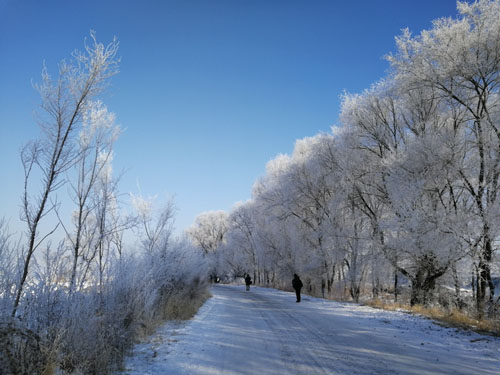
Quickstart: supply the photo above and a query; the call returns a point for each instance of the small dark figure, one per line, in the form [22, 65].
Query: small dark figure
[297, 285]
[248, 281]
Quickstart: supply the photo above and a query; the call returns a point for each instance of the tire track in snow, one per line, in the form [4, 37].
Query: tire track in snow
[297, 359]
[306, 349]
[265, 332]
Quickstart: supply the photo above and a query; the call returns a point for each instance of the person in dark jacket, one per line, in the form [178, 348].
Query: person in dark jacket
[248, 281]
[297, 285]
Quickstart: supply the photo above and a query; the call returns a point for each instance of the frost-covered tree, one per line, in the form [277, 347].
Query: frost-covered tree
[460, 60]
[240, 250]
[155, 227]
[208, 233]
[208, 230]
[404, 184]
[64, 102]
[8, 267]
[95, 147]
[104, 202]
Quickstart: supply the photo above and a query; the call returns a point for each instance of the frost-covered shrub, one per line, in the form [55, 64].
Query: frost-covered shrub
[142, 293]
[89, 330]
[21, 350]
[8, 269]
[176, 277]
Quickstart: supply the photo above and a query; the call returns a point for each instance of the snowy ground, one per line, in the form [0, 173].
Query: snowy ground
[265, 332]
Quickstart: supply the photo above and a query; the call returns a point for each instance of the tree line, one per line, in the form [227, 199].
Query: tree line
[401, 195]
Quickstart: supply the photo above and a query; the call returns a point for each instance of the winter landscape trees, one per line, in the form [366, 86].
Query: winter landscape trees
[399, 199]
[403, 192]
[73, 297]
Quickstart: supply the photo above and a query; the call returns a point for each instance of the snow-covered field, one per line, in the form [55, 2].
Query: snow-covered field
[265, 332]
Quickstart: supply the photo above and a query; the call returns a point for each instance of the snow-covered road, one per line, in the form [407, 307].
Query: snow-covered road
[265, 332]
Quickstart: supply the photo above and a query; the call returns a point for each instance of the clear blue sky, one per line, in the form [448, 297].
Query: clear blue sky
[208, 91]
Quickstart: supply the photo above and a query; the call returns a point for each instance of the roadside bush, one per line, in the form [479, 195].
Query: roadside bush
[21, 350]
[89, 331]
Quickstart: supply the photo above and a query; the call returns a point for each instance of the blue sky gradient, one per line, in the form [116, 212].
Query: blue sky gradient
[208, 91]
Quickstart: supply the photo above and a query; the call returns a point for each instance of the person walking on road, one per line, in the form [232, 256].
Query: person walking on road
[297, 285]
[248, 281]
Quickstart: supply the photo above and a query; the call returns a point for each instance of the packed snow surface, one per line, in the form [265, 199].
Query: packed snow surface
[265, 332]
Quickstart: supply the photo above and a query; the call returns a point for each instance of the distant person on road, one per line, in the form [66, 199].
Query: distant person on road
[297, 285]
[248, 281]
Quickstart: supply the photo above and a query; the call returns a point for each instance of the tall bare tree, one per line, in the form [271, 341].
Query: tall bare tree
[155, 227]
[64, 101]
[96, 149]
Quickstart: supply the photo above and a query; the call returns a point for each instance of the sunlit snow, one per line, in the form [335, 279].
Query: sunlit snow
[265, 331]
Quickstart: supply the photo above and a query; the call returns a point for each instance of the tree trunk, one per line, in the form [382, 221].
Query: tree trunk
[421, 286]
[396, 286]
